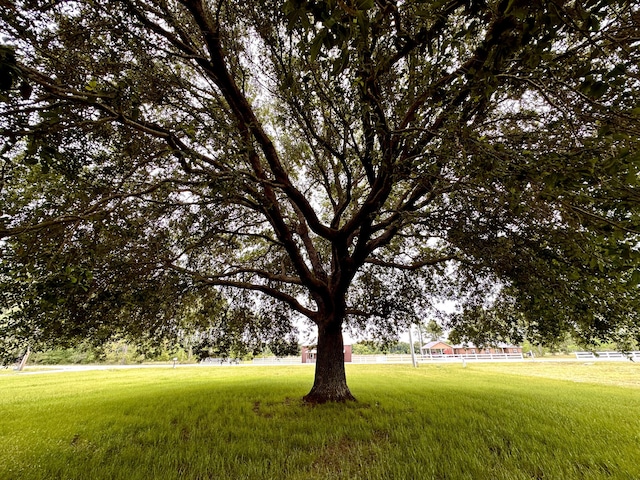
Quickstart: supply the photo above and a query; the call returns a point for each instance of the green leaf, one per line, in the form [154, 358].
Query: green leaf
[135, 112]
[316, 45]
[91, 86]
[8, 71]
[594, 89]
[25, 90]
[618, 70]
[364, 4]
[6, 79]
[341, 63]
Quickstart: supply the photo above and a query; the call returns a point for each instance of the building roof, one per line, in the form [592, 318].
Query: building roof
[433, 344]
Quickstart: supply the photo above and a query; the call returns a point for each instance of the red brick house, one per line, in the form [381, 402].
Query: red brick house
[436, 348]
[309, 354]
[441, 348]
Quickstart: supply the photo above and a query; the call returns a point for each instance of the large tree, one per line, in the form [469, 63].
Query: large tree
[347, 160]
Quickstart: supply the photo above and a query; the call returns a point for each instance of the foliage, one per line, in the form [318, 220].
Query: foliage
[354, 163]
[367, 348]
[433, 330]
[567, 346]
[240, 333]
[79, 355]
[374, 348]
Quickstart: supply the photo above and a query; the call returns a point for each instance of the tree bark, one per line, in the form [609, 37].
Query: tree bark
[330, 382]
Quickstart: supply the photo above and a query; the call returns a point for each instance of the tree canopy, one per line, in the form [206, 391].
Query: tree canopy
[353, 162]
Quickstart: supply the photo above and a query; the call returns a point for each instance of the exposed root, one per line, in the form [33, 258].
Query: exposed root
[318, 398]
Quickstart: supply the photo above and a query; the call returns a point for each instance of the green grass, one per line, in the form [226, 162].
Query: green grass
[486, 421]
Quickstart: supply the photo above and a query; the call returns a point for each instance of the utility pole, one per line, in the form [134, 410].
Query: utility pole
[23, 362]
[413, 352]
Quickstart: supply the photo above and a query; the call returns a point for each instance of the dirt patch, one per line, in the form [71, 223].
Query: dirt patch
[334, 454]
[350, 453]
[259, 411]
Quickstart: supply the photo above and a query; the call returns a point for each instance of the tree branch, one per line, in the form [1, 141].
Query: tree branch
[412, 266]
[272, 292]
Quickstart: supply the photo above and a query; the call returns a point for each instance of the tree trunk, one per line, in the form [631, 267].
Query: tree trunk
[330, 383]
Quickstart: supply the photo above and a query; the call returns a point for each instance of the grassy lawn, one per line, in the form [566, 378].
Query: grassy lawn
[486, 421]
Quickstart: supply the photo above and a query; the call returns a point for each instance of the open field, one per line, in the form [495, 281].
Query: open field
[494, 421]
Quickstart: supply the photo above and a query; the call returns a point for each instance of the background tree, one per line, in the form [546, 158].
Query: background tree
[433, 330]
[345, 160]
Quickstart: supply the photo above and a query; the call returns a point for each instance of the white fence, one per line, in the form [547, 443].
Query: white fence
[399, 358]
[608, 356]
[220, 361]
[277, 361]
[487, 357]
[392, 358]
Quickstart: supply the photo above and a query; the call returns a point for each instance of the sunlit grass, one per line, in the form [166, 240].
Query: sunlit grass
[492, 421]
[621, 373]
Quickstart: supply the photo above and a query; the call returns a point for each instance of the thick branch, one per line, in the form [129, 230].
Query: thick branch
[272, 292]
[245, 116]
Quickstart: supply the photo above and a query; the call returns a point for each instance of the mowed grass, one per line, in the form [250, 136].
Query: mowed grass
[485, 421]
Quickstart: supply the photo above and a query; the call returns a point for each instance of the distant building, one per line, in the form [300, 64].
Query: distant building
[441, 348]
[309, 354]
[436, 348]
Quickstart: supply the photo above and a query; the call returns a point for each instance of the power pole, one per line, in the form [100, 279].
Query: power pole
[23, 362]
[413, 352]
